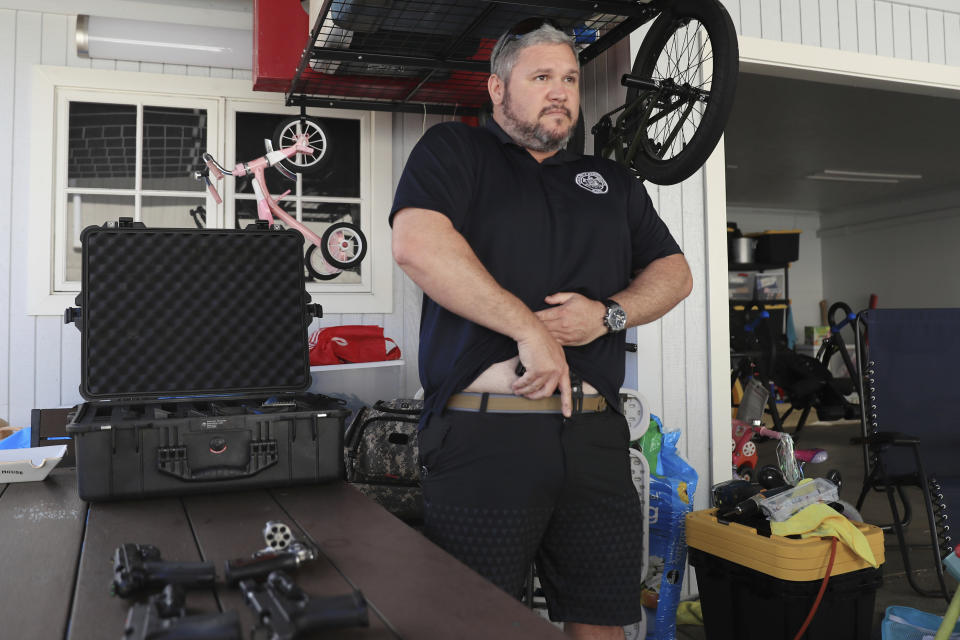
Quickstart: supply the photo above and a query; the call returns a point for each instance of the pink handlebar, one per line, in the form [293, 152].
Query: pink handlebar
[216, 173]
[769, 433]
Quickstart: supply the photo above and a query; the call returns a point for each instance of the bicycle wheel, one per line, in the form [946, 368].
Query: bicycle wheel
[285, 135]
[343, 245]
[317, 267]
[691, 50]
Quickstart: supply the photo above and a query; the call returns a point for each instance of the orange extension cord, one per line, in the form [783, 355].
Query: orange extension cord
[823, 587]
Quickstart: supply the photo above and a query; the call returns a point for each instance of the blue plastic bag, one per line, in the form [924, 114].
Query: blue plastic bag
[671, 497]
[19, 440]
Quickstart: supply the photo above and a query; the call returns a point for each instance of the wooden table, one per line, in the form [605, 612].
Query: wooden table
[56, 561]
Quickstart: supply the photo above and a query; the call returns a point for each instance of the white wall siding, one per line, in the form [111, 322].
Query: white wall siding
[918, 30]
[8, 41]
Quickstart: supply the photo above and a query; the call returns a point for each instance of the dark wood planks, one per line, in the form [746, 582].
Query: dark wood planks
[42, 530]
[230, 526]
[420, 589]
[160, 522]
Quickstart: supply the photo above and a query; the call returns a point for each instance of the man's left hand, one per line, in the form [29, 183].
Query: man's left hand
[575, 320]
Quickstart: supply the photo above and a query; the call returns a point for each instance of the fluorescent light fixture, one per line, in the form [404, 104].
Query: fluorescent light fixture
[164, 42]
[840, 175]
[852, 179]
[873, 174]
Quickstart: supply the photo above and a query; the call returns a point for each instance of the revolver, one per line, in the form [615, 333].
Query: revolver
[283, 552]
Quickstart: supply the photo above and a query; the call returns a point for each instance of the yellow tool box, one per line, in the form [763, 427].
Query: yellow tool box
[758, 587]
[783, 558]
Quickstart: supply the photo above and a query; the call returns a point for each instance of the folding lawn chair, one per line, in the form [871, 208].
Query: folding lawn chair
[910, 428]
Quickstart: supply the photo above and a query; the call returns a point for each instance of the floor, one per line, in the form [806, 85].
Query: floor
[847, 458]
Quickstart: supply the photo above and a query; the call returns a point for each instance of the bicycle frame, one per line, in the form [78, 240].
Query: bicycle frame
[267, 206]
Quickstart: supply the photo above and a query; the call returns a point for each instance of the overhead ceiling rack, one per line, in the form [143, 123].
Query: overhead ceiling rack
[432, 56]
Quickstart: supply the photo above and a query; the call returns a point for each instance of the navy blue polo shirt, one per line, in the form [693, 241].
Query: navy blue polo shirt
[571, 223]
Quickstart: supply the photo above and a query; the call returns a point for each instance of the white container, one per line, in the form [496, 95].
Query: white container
[25, 465]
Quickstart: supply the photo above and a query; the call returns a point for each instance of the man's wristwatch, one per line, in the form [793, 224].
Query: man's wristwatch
[615, 318]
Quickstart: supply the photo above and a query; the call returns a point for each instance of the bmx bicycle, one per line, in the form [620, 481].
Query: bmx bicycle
[299, 145]
[679, 93]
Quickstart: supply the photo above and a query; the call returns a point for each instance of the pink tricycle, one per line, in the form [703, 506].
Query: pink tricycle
[342, 245]
[745, 451]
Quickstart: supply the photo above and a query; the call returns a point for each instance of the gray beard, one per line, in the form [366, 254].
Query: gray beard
[532, 135]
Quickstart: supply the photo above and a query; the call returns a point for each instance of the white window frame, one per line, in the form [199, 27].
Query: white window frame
[49, 127]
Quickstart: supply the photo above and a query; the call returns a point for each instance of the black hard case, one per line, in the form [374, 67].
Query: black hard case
[195, 364]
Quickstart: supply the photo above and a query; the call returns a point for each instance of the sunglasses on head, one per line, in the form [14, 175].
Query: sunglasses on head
[529, 25]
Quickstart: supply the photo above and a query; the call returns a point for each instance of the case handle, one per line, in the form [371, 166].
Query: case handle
[173, 462]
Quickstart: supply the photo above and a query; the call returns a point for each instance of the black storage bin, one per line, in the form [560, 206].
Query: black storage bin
[777, 247]
[195, 364]
[740, 603]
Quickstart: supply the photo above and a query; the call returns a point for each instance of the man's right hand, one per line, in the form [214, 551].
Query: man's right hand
[546, 368]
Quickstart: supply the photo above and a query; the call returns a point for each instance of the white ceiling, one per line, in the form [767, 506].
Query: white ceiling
[782, 130]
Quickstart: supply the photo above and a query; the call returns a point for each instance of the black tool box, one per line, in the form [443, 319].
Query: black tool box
[195, 364]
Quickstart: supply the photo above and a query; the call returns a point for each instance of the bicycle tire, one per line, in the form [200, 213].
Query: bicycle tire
[358, 242]
[313, 271]
[714, 19]
[318, 138]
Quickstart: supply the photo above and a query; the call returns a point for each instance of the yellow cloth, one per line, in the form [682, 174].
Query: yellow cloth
[689, 612]
[822, 520]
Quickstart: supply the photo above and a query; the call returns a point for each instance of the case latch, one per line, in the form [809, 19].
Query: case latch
[125, 223]
[72, 314]
[315, 309]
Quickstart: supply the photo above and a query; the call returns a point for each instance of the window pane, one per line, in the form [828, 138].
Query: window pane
[84, 210]
[161, 212]
[173, 142]
[101, 151]
[338, 176]
[318, 216]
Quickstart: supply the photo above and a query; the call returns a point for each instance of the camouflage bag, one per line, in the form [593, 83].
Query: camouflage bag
[381, 456]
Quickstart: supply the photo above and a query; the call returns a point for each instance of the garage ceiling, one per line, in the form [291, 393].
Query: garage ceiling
[781, 131]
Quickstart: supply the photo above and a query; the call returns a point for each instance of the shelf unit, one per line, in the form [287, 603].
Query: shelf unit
[777, 306]
[432, 56]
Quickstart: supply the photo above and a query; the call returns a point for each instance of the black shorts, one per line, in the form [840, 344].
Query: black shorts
[504, 489]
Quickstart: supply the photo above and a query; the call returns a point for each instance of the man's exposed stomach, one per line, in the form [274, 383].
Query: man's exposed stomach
[499, 378]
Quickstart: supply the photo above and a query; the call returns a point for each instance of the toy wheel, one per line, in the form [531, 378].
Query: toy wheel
[691, 50]
[745, 472]
[285, 135]
[749, 449]
[343, 245]
[317, 267]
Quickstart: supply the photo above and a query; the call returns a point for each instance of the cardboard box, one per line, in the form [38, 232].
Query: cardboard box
[25, 465]
[815, 335]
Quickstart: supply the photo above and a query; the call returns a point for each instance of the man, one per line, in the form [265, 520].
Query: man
[533, 260]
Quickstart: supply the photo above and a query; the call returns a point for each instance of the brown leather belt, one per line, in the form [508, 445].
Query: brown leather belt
[504, 403]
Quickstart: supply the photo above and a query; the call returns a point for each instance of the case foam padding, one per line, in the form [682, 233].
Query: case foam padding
[192, 311]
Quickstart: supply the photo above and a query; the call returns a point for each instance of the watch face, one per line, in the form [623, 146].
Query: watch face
[616, 318]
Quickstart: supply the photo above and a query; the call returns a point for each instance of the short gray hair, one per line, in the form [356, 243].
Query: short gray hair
[507, 50]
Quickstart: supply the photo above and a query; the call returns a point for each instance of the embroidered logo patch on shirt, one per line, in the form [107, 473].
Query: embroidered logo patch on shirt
[592, 182]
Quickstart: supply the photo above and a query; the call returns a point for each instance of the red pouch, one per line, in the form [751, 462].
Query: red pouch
[351, 343]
